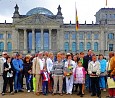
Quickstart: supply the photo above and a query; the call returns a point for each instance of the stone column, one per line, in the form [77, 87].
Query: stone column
[102, 41]
[33, 41]
[85, 41]
[42, 39]
[14, 40]
[106, 46]
[49, 39]
[58, 41]
[25, 42]
[92, 44]
[5, 41]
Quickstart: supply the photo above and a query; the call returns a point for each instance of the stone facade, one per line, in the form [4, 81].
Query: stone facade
[99, 37]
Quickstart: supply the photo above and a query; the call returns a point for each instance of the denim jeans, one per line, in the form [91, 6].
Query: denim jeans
[17, 81]
[29, 83]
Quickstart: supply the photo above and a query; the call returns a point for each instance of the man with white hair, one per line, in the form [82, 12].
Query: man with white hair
[36, 69]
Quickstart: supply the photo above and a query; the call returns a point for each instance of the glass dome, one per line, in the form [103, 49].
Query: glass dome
[39, 10]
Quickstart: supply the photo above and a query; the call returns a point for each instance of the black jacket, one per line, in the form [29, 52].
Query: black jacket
[7, 66]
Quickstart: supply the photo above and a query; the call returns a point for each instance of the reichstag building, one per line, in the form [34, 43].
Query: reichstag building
[40, 30]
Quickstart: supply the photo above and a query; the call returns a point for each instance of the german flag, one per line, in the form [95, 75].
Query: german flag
[77, 23]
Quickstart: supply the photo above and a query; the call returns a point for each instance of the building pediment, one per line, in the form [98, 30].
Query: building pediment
[37, 19]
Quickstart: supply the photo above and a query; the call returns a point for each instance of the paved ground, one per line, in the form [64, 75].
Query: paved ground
[31, 95]
[25, 94]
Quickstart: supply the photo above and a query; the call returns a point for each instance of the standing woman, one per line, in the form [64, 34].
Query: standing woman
[7, 75]
[69, 66]
[28, 72]
[103, 64]
[49, 68]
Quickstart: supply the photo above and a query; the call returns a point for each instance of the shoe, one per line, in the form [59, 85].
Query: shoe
[100, 96]
[67, 93]
[78, 94]
[20, 91]
[93, 94]
[3, 94]
[104, 90]
[44, 93]
[37, 93]
[81, 95]
[12, 93]
[15, 91]
[28, 91]
[70, 93]
[61, 94]
[53, 94]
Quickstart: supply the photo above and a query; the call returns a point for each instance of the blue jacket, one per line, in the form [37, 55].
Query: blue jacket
[103, 65]
[17, 64]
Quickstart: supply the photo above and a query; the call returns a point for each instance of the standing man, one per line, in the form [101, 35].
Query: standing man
[18, 67]
[36, 73]
[88, 58]
[94, 72]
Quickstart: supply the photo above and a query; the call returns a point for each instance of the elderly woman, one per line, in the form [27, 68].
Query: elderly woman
[103, 74]
[57, 71]
[7, 75]
[69, 66]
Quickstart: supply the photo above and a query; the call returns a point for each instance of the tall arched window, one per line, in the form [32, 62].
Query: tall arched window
[66, 46]
[74, 47]
[38, 41]
[81, 46]
[96, 46]
[1, 46]
[110, 47]
[9, 45]
[110, 36]
[46, 40]
[88, 45]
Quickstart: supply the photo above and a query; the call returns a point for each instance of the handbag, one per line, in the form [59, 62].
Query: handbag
[34, 84]
[110, 82]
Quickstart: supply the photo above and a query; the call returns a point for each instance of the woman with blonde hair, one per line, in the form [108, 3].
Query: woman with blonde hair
[49, 68]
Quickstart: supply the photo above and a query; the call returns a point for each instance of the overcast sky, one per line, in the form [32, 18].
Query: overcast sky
[86, 8]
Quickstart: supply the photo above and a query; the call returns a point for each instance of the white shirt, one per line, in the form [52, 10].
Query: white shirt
[41, 64]
[9, 74]
[49, 64]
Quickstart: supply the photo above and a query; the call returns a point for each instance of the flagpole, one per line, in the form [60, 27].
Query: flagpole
[106, 3]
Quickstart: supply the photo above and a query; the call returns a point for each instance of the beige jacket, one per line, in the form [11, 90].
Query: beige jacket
[36, 66]
[2, 61]
[94, 67]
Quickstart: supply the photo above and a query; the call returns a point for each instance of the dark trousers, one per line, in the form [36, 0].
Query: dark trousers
[64, 85]
[45, 87]
[6, 81]
[80, 88]
[75, 87]
[95, 86]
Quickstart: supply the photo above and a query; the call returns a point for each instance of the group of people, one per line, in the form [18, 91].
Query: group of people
[58, 74]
